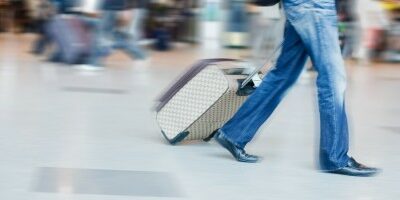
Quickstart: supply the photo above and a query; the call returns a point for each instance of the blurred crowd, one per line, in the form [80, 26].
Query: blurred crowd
[84, 32]
[87, 31]
[382, 35]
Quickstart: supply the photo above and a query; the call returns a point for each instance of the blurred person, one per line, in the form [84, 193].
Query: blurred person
[310, 30]
[63, 7]
[91, 15]
[349, 27]
[237, 25]
[123, 33]
[83, 17]
[43, 11]
[373, 20]
[139, 14]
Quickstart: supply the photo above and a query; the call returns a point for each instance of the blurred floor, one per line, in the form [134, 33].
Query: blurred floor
[71, 134]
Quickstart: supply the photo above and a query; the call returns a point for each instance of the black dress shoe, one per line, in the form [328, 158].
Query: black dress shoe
[239, 153]
[353, 168]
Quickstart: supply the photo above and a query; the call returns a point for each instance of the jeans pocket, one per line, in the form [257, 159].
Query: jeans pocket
[295, 12]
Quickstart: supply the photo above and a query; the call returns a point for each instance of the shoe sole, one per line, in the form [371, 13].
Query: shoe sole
[357, 175]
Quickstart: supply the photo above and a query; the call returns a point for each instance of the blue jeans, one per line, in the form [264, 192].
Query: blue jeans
[94, 25]
[125, 39]
[310, 30]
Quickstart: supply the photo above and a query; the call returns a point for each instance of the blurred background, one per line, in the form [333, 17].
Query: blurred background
[369, 30]
[78, 80]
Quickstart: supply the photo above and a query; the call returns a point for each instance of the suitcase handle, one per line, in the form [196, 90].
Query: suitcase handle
[247, 90]
[236, 71]
[252, 74]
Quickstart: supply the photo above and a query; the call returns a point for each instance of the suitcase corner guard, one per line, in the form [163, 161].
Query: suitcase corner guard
[181, 136]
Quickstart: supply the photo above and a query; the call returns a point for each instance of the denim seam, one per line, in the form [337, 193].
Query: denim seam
[254, 117]
[272, 95]
[333, 82]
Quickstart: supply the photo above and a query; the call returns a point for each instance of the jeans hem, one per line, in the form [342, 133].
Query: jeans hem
[341, 166]
[227, 138]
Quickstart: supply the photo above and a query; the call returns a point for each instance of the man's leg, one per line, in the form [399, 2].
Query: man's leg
[259, 106]
[316, 23]
[105, 37]
[129, 41]
[135, 28]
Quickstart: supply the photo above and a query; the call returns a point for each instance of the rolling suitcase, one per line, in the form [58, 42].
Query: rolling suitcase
[203, 99]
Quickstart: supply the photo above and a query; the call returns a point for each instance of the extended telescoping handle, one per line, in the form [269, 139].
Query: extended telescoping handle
[252, 74]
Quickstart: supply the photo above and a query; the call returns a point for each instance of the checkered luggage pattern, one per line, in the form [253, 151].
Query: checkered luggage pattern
[202, 100]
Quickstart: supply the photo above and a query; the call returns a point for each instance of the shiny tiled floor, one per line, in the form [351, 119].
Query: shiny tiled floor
[66, 134]
[107, 182]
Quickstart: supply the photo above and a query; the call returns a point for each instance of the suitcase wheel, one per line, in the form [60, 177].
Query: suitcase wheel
[178, 138]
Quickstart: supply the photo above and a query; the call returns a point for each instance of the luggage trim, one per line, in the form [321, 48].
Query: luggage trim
[185, 78]
[178, 138]
[182, 135]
